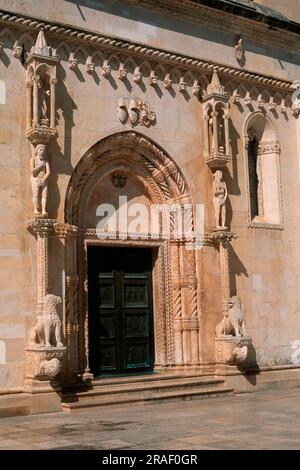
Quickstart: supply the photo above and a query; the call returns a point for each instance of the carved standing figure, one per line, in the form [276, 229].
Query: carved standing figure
[40, 171]
[219, 200]
[44, 100]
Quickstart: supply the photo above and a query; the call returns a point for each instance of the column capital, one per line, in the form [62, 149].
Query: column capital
[41, 227]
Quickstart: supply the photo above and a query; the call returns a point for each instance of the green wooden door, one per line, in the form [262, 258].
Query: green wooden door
[120, 310]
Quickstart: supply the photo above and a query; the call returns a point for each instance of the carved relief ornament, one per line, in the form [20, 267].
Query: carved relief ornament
[137, 111]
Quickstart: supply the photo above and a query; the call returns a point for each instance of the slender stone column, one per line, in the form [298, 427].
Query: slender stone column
[215, 142]
[226, 129]
[42, 267]
[225, 275]
[53, 82]
[206, 137]
[28, 105]
[35, 80]
[42, 229]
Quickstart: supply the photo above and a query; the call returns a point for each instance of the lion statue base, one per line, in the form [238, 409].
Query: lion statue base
[233, 323]
[233, 351]
[47, 329]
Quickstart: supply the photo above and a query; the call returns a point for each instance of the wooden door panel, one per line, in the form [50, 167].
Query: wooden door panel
[120, 310]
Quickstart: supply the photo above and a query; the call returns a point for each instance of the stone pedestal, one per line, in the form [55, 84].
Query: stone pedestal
[232, 350]
[42, 367]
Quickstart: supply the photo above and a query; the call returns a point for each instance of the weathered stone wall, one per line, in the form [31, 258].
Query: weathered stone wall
[289, 8]
[264, 262]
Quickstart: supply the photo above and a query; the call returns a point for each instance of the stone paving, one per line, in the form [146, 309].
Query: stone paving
[261, 420]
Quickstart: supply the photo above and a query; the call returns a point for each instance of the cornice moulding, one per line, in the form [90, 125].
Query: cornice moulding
[264, 30]
[82, 36]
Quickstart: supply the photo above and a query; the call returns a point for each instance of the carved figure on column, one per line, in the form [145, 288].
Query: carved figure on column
[47, 329]
[220, 195]
[233, 323]
[40, 171]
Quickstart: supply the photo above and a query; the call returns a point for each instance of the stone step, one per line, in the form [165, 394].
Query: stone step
[163, 384]
[146, 388]
[145, 397]
[150, 377]
[15, 404]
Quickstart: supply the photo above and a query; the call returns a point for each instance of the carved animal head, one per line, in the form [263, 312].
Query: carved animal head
[50, 302]
[234, 300]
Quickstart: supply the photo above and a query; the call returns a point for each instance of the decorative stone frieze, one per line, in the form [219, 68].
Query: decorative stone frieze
[62, 33]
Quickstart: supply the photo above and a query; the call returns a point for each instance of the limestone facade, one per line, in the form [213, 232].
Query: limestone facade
[98, 102]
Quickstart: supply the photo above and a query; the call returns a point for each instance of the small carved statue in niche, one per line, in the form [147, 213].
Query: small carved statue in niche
[48, 325]
[44, 100]
[221, 132]
[219, 200]
[233, 324]
[40, 171]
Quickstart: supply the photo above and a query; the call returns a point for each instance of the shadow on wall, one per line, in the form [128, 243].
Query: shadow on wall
[61, 157]
[233, 185]
[237, 268]
[252, 369]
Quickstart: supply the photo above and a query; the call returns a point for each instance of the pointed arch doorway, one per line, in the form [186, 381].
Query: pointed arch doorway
[129, 165]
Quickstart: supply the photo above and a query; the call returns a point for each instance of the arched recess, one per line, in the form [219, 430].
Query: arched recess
[147, 166]
[262, 165]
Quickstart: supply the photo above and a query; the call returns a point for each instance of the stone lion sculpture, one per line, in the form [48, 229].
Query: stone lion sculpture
[233, 323]
[48, 325]
[50, 368]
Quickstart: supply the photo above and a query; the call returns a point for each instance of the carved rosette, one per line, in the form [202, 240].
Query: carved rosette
[44, 363]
